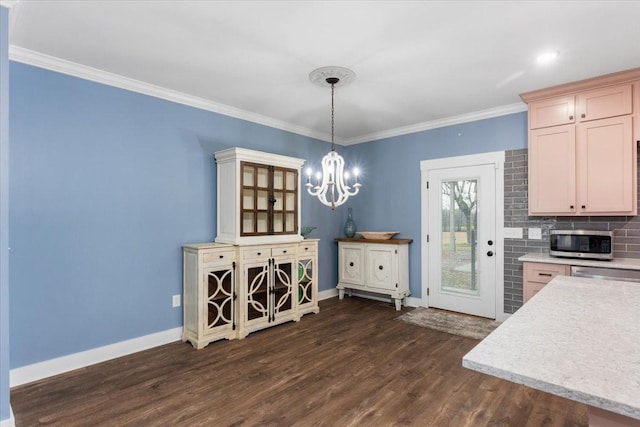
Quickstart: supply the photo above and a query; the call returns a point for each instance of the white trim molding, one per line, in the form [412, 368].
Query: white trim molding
[447, 121]
[9, 422]
[329, 293]
[74, 69]
[59, 365]
[9, 3]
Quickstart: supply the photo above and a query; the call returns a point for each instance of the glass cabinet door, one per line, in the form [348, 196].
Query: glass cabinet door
[257, 282]
[283, 285]
[269, 202]
[305, 281]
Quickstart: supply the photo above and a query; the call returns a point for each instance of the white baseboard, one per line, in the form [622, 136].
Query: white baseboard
[413, 302]
[408, 301]
[329, 293]
[9, 422]
[59, 365]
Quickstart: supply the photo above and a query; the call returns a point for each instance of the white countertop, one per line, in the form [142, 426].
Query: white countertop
[577, 338]
[621, 263]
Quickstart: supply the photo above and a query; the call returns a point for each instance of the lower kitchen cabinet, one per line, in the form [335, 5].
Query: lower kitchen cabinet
[233, 290]
[376, 266]
[537, 275]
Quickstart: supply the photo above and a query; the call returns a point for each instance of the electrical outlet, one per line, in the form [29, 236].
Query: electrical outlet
[176, 300]
[512, 233]
[535, 233]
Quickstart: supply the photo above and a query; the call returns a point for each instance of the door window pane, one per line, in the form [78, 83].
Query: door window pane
[459, 236]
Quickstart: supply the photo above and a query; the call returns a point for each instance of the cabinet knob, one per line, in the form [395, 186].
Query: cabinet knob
[350, 264]
[284, 252]
[490, 253]
[490, 243]
[583, 115]
[584, 207]
[380, 267]
[570, 117]
[221, 256]
[570, 206]
[259, 253]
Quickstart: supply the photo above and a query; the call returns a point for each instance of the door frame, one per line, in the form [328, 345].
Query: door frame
[497, 159]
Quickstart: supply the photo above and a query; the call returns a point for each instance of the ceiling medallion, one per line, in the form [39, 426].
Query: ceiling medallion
[320, 75]
[332, 184]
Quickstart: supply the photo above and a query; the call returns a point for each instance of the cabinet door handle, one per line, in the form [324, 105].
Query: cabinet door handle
[380, 267]
[350, 264]
[583, 115]
[545, 274]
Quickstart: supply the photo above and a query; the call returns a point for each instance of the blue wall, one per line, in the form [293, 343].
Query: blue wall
[106, 185]
[390, 198]
[5, 413]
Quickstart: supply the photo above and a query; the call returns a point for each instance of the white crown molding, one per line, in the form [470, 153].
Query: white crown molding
[9, 3]
[447, 121]
[63, 66]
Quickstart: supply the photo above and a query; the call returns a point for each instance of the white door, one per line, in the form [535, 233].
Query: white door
[462, 220]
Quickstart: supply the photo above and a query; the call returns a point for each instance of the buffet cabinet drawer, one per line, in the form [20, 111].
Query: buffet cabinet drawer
[218, 256]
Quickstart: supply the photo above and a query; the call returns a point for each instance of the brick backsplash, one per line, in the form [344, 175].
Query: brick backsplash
[626, 229]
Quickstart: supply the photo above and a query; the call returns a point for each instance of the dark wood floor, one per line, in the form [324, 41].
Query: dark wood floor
[351, 364]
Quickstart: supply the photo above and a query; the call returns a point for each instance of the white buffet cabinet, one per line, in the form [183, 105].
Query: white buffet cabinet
[233, 290]
[376, 266]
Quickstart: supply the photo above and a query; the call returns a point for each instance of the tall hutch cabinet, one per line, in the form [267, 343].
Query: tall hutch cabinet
[583, 146]
[260, 272]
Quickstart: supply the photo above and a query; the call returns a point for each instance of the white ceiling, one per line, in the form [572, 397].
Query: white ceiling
[419, 64]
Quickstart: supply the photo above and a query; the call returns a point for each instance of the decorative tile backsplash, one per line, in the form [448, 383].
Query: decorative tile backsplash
[626, 229]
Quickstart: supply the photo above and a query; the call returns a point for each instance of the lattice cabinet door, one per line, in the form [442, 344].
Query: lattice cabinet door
[220, 296]
[307, 278]
[283, 284]
[257, 289]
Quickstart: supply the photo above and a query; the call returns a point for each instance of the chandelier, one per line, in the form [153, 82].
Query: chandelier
[332, 184]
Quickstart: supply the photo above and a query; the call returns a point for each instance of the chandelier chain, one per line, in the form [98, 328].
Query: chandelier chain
[333, 146]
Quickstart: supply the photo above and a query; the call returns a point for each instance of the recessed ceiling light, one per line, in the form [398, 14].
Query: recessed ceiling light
[546, 57]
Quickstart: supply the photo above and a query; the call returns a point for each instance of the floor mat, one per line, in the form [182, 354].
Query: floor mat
[450, 322]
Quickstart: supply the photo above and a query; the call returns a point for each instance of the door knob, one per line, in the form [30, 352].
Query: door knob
[490, 253]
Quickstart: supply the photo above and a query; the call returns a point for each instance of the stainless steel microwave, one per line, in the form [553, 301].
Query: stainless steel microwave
[581, 244]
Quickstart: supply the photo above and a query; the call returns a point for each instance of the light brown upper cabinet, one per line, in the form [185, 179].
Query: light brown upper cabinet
[582, 147]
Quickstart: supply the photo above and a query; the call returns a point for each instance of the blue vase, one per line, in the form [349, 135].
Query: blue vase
[350, 225]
